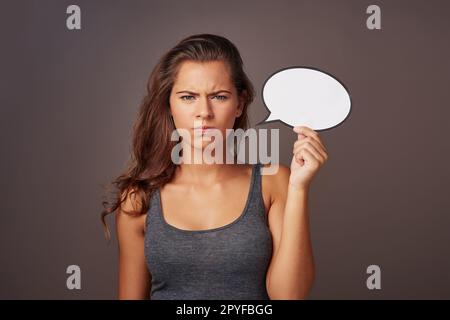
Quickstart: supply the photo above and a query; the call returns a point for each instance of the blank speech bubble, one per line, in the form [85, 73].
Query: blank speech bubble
[305, 96]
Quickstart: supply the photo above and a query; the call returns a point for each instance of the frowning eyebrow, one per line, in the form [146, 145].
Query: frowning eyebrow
[196, 94]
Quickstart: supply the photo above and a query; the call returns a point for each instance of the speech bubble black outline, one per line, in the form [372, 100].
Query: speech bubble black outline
[311, 68]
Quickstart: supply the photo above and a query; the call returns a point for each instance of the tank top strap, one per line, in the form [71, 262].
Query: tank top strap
[153, 208]
[256, 201]
[256, 183]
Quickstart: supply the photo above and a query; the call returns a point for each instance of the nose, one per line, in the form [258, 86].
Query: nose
[204, 110]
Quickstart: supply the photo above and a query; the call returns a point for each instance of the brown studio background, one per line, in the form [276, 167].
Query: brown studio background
[69, 99]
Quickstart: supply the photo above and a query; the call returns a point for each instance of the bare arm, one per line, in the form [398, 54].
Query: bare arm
[291, 271]
[134, 277]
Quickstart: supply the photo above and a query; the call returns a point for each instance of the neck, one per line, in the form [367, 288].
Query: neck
[205, 172]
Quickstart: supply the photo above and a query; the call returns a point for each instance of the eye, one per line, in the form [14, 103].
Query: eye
[182, 98]
[222, 97]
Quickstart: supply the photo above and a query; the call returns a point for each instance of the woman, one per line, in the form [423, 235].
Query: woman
[210, 231]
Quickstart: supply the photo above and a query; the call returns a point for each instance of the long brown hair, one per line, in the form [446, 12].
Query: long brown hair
[150, 165]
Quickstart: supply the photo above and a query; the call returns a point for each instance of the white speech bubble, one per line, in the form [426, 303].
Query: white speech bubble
[304, 96]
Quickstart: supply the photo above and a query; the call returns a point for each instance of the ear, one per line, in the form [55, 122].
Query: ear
[238, 112]
[240, 107]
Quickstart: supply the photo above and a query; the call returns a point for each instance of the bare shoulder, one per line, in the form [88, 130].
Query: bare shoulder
[128, 217]
[134, 276]
[275, 181]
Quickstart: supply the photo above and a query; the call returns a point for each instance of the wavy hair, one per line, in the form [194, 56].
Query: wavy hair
[150, 166]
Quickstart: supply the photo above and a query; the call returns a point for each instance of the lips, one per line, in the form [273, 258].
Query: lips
[204, 129]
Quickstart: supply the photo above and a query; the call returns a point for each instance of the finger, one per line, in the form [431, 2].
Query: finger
[305, 131]
[316, 145]
[312, 150]
[306, 155]
[299, 158]
[301, 136]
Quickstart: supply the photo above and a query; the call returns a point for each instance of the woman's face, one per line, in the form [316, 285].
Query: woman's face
[203, 94]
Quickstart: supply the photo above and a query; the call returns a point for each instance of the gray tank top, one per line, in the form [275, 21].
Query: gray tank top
[229, 262]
